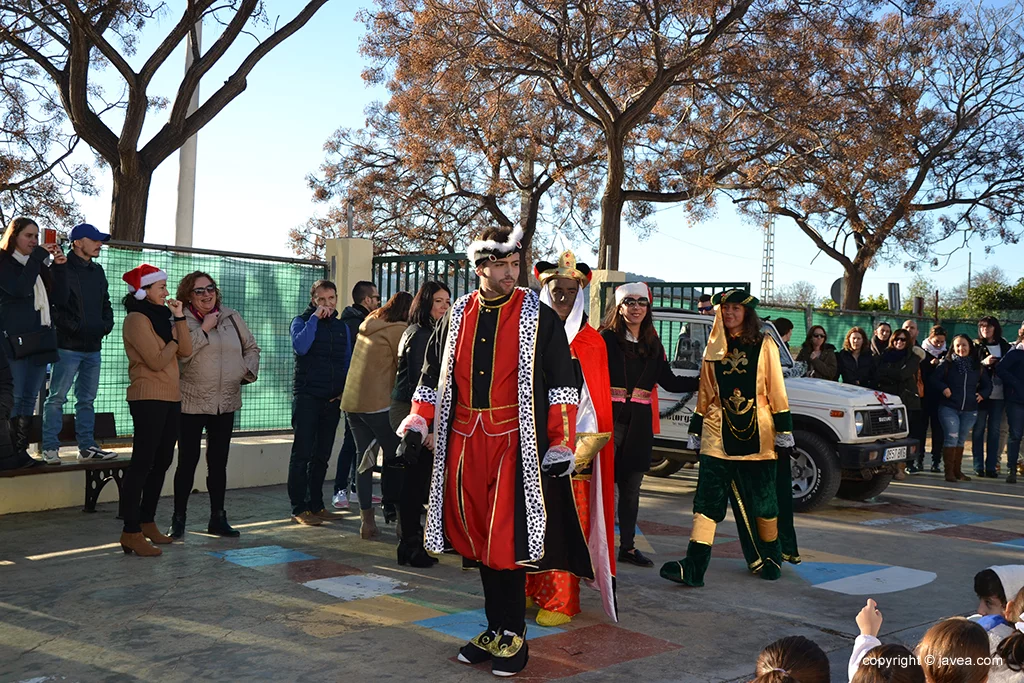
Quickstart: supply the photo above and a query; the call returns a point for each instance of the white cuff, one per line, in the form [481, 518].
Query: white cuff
[558, 455]
[785, 440]
[414, 423]
[563, 395]
[424, 394]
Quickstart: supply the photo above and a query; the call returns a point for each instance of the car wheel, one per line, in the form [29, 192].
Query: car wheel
[816, 473]
[664, 467]
[852, 489]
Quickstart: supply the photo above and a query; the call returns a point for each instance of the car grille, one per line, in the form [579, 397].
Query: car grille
[880, 423]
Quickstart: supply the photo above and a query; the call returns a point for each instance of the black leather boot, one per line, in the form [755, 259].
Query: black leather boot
[177, 530]
[219, 525]
[20, 427]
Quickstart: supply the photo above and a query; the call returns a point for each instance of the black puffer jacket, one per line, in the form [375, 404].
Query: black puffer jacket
[412, 350]
[87, 317]
[964, 380]
[18, 314]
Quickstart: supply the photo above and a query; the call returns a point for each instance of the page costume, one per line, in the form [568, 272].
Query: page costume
[742, 415]
[557, 593]
[499, 385]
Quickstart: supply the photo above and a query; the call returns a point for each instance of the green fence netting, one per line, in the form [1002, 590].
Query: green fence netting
[268, 294]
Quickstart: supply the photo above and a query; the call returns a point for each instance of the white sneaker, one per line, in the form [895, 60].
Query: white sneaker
[341, 499]
[96, 453]
[52, 457]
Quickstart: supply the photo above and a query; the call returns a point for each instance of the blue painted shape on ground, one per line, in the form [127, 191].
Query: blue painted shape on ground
[1015, 543]
[468, 625]
[885, 580]
[955, 517]
[637, 533]
[262, 556]
[821, 572]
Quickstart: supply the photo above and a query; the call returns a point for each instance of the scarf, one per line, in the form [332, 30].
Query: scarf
[932, 349]
[199, 316]
[41, 300]
[963, 364]
[159, 317]
[894, 356]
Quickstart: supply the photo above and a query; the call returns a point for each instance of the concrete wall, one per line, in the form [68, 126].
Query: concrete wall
[254, 461]
[601, 276]
[349, 260]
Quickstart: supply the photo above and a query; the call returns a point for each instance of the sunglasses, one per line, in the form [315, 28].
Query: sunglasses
[703, 309]
[642, 303]
[208, 289]
[819, 336]
[899, 340]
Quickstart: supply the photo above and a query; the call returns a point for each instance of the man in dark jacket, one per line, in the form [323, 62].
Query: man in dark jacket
[322, 352]
[365, 299]
[81, 325]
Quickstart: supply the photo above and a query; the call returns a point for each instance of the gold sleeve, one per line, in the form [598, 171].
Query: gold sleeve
[706, 394]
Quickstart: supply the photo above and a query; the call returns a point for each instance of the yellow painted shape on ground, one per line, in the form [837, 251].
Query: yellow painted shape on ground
[358, 615]
[818, 556]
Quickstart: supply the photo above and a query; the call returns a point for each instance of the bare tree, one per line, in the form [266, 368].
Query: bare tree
[799, 293]
[65, 43]
[909, 131]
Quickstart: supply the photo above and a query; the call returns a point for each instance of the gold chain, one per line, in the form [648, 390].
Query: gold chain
[752, 427]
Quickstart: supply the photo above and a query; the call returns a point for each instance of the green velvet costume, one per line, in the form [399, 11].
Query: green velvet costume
[741, 409]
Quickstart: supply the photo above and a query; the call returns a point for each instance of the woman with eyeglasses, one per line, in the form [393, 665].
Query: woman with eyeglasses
[636, 366]
[819, 355]
[899, 374]
[224, 357]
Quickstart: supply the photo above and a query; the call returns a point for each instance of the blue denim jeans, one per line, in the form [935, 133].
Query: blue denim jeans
[1015, 424]
[986, 445]
[28, 380]
[82, 369]
[956, 425]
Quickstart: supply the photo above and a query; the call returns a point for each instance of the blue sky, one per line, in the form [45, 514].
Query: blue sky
[253, 159]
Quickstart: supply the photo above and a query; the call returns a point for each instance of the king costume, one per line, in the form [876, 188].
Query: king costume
[499, 386]
[557, 593]
[742, 417]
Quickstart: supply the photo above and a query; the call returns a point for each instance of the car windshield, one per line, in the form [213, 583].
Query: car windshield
[784, 355]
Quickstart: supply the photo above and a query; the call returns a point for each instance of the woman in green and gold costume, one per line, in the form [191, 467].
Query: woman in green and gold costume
[742, 417]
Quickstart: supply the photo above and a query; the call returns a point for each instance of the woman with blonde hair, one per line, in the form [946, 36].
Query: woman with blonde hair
[224, 358]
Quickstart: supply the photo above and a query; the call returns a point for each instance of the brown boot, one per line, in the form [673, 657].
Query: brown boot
[150, 531]
[368, 528]
[901, 471]
[959, 460]
[136, 543]
[948, 465]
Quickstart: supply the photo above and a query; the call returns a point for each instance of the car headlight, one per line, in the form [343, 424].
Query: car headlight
[858, 421]
[902, 418]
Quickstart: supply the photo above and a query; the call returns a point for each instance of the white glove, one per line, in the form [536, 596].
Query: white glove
[693, 443]
[785, 440]
[559, 461]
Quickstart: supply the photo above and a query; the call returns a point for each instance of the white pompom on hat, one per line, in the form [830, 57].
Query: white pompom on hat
[635, 289]
[141, 277]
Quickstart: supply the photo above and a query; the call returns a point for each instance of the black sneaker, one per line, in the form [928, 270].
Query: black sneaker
[510, 655]
[636, 557]
[479, 650]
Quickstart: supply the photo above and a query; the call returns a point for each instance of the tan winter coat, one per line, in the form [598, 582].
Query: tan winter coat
[371, 373]
[211, 377]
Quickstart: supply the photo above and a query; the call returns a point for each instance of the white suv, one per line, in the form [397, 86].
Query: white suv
[848, 439]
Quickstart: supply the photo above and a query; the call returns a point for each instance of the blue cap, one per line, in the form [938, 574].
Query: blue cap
[87, 231]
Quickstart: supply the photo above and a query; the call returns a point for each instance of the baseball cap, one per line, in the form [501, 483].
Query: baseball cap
[87, 231]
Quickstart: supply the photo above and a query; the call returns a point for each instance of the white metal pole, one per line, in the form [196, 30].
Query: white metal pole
[185, 216]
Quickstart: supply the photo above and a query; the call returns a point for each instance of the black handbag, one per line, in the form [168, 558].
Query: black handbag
[28, 344]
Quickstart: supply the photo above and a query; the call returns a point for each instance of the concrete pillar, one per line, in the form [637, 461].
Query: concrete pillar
[349, 260]
[596, 283]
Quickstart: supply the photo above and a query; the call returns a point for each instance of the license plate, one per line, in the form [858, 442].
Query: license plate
[898, 453]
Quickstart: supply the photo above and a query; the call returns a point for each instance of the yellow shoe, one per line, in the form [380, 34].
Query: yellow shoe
[546, 618]
[529, 602]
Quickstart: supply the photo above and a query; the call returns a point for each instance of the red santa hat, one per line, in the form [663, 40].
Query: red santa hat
[141, 277]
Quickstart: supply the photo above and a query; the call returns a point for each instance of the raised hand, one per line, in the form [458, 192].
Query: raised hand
[210, 320]
[177, 309]
[869, 619]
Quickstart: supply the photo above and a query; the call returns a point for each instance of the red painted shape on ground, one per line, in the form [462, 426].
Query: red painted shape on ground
[314, 570]
[658, 529]
[539, 668]
[975, 533]
[901, 509]
[731, 550]
[599, 646]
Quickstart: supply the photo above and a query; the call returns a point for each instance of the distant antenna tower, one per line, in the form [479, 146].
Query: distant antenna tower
[768, 263]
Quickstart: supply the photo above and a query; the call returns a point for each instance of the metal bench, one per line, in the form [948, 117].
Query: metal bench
[97, 473]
